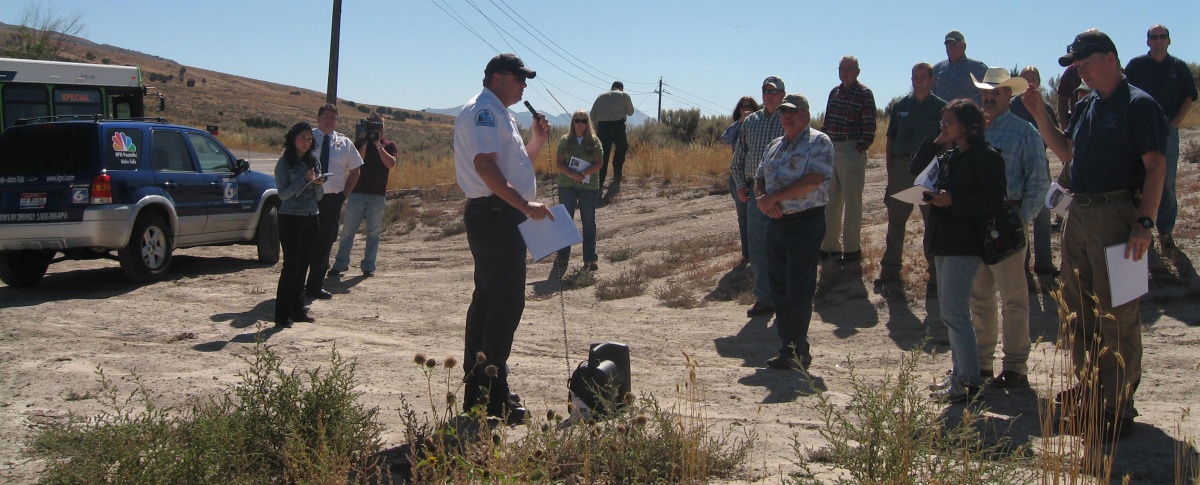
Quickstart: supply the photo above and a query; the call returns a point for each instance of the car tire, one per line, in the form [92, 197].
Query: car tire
[24, 268]
[267, 235]
[147, 256]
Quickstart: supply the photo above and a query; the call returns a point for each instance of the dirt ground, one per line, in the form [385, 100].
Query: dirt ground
[184, 336]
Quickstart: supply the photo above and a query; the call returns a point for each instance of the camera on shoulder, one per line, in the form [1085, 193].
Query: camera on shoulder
[368, 129]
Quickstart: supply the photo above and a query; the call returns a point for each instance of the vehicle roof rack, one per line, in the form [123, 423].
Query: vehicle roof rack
[49, 119]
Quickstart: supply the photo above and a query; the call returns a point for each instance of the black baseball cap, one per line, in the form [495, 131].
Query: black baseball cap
[509, 63]
[1085, 45]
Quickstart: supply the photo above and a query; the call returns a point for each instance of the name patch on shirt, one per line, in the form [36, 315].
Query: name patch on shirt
[485, 118]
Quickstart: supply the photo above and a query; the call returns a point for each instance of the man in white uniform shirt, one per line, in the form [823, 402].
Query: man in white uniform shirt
[338, 156]
[494, 168]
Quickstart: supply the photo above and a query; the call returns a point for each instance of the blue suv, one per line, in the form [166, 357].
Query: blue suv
[86, 189]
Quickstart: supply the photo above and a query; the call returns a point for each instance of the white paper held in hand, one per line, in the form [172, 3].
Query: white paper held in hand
[578, 165]
[545, 236]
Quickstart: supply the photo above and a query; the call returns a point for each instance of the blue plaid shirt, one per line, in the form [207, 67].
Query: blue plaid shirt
[1025, 165]
[758, 130]
[784, 163]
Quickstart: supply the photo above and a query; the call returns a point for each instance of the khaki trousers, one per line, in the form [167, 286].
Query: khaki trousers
[845, 196]
[1105, 341]
[1007, 277]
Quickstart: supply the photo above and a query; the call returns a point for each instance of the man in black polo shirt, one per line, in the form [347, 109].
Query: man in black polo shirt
[1114, 144]
[1169, 81]
[914, 118]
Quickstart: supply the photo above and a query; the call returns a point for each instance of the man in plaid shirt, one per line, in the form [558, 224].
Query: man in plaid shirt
[850, 123]
[758, 129]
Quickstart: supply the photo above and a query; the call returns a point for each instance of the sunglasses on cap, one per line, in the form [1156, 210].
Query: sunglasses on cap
[579, 121]
[1083, 47]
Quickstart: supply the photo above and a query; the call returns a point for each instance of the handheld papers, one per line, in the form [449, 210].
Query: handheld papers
[1058, 199]
[579, 165]
[546, 236]
[323, 176]
[912, 195]
[928, 177]
[1127, 279]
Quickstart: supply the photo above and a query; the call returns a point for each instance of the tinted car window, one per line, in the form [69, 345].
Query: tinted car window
[48, 149]
[212, 157]
[170, 153]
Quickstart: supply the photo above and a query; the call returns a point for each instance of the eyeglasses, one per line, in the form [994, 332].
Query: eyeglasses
[1158, 36]
[944, 123]
[516, 77]
[579, 121]
[772, 91]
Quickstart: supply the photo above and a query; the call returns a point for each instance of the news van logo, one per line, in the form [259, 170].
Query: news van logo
[123, 143]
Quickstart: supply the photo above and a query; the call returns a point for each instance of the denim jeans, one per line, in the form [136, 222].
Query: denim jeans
[1168, 207]
[1043, 259]
[956, 276]
[359, 207]
[585, 200]
[741, 215]
[793, 250]
[499, 297]
[756, 236]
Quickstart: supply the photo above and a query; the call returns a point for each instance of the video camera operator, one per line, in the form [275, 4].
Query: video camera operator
[367, 199]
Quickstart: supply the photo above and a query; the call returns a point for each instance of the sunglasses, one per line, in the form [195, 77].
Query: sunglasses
[1158, 36]
[1083, 46]
[579, 121]
[772, 91]
[746, 106]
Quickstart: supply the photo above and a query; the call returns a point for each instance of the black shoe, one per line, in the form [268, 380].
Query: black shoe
[320, 294]
[283, 324]
[368, 274]
[836, 255]
[592, 266]
[850, 257]
[1010, 380]
[333, 273]
[512, 412]
[760, 308]
[303, 317]
[786, 362]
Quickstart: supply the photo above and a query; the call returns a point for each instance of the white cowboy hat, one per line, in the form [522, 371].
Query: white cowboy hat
[998, 77]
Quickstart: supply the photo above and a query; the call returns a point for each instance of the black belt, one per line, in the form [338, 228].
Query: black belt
[837, 138]
[803, 213]
[1090, 200]
[492, 201]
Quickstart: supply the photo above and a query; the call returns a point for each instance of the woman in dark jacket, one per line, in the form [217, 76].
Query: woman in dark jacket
[299, 187]
[971, 187]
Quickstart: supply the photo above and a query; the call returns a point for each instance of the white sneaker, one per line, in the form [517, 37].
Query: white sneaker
[946, 381]
[954, 393]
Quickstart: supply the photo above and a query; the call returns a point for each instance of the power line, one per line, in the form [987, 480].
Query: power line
[539, 32]
[677, 88]
[463, 24]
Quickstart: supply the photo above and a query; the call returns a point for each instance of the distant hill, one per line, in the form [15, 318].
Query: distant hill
[198, 97]
[524, 119]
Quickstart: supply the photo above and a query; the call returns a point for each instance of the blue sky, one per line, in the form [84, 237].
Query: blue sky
[417, 53]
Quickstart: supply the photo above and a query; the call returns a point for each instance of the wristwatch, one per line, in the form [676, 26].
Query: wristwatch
[1145, 222]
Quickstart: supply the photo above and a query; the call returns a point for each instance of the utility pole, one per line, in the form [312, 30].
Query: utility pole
[660, 93]
[335, 34]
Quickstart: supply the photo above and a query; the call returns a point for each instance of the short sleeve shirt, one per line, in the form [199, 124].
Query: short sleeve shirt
[1168, 82]
[913, 121]
[485, 126]
[343, 157]
[785, 162]
[952, 81]
[1110, 136]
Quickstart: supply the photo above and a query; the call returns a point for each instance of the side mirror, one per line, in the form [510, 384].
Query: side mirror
[241, 166]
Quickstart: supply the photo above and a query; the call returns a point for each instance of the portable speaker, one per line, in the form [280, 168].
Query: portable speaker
[602, 383]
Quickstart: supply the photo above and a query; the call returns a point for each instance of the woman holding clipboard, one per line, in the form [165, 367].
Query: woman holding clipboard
[579, 157]
[298, 181]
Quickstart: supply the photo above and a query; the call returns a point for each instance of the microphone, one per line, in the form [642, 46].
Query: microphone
[532, 111]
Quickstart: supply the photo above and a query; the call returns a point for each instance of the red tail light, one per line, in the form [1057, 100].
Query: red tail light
[102, 189]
